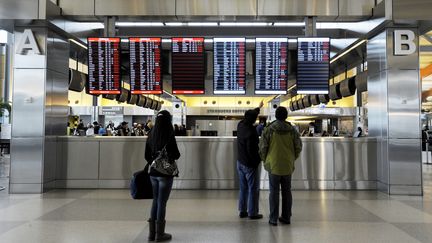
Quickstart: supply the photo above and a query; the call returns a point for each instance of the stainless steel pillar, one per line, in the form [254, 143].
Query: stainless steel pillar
[39, 112]
[394, 113]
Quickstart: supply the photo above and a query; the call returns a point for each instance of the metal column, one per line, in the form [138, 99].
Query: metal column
[39, 111]
[394, 113]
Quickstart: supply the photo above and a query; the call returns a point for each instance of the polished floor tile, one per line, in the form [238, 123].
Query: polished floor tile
[6, 226]
[31, 209]
[101, 210]
[422, 232]
[332, 232]
[395, 211]
[74, 232]
[243, 231]
[329, 211]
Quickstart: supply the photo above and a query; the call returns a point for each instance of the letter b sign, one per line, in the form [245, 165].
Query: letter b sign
[404, 42]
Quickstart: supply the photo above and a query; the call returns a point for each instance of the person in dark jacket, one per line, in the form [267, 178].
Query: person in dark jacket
[161, 135]
[248, 162]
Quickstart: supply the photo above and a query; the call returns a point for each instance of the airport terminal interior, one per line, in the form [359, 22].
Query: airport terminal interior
[83, 81]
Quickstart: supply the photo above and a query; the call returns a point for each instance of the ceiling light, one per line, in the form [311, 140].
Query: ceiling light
[345, 52]
[244, 24]
[173, 23]
[138, 24]
[202, 24]
[289, 24]
[78, 43]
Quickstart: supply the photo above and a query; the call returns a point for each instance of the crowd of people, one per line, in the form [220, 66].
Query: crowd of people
[123, 129]
[111, 129]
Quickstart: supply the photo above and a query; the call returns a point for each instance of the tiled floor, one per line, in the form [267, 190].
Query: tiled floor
[210, 216]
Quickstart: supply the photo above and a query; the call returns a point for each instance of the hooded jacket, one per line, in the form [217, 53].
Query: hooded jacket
[247, 140]
[279, 147]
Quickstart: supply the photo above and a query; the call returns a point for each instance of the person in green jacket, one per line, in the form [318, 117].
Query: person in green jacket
[279, 147]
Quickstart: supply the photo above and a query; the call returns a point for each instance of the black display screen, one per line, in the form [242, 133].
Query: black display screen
[313, 65]
[229, 66]
[271, 65]
[145, 65]
[188, 70]
[104, 66]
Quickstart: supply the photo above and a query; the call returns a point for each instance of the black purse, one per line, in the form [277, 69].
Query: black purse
[163, 165]
[140, 185]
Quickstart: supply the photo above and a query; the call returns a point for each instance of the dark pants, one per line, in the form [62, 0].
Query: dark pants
[283, 182]
[161, 191]
[249, 189]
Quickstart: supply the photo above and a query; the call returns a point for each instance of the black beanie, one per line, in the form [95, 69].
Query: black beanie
[281, 113]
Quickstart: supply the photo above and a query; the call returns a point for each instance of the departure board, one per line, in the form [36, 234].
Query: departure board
[313, 65]
[271, 67]
[188, 70]
[104, 66]
[145, 65]
[229, 66]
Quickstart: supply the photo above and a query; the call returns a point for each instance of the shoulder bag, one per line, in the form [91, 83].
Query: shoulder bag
[163, 165]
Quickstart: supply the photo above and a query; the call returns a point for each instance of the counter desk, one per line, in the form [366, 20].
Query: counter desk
[210, 163]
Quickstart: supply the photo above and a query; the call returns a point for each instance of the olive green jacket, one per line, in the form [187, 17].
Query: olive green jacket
[279, 147]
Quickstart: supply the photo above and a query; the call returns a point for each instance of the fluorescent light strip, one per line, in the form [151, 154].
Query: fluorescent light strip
[271, 92]
[138, 24]
[228, 92]
[312, 39]
[198, 24]
[312, 92]
[345, 52]
[76, 42]
[244, 24]
[272, 39]
[228, 39]
[289, 24]
[173, 23]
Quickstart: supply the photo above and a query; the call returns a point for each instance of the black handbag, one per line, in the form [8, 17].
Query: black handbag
[163, 165]
[140, 185]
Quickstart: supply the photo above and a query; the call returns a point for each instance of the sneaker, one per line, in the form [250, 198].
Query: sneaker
[284, 221]
[258, 216]
[243, 215]
[272, 223]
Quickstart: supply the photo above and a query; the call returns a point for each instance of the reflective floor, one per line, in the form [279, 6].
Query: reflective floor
[211, 216]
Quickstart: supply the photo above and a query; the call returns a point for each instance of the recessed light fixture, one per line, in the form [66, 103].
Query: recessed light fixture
[173, 23]
[139, 24]
[198, 24]
[289, 24]
[244, 24]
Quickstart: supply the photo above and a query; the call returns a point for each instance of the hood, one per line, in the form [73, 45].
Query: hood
[250, 117]
[281, 127]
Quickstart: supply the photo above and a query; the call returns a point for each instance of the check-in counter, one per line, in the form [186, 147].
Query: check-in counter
[210, 163]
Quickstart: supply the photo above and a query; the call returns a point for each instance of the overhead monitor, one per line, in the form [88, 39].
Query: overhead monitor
[145, 65]
[313, 65]
[229, 66]
[104, 66]
[188, 70]
[271, 65]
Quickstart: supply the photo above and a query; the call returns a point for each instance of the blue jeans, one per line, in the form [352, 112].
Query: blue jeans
[249, 189]
[284, 182]
[161, 191]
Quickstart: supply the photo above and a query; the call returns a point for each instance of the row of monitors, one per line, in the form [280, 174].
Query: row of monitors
[188, 65]
[139, 100]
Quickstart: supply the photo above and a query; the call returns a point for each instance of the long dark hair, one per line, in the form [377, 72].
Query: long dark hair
[162, 131]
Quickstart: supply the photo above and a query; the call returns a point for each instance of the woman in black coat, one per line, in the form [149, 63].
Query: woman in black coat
[161, 135]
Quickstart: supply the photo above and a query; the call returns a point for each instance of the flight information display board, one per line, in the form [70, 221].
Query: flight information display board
[271, 67]
[145, 65]
[188, 70]
[229, 66]
[313, 65]
[104, 66]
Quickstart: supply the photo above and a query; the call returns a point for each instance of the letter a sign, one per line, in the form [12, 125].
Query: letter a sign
[27, 43]
[404, 42]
